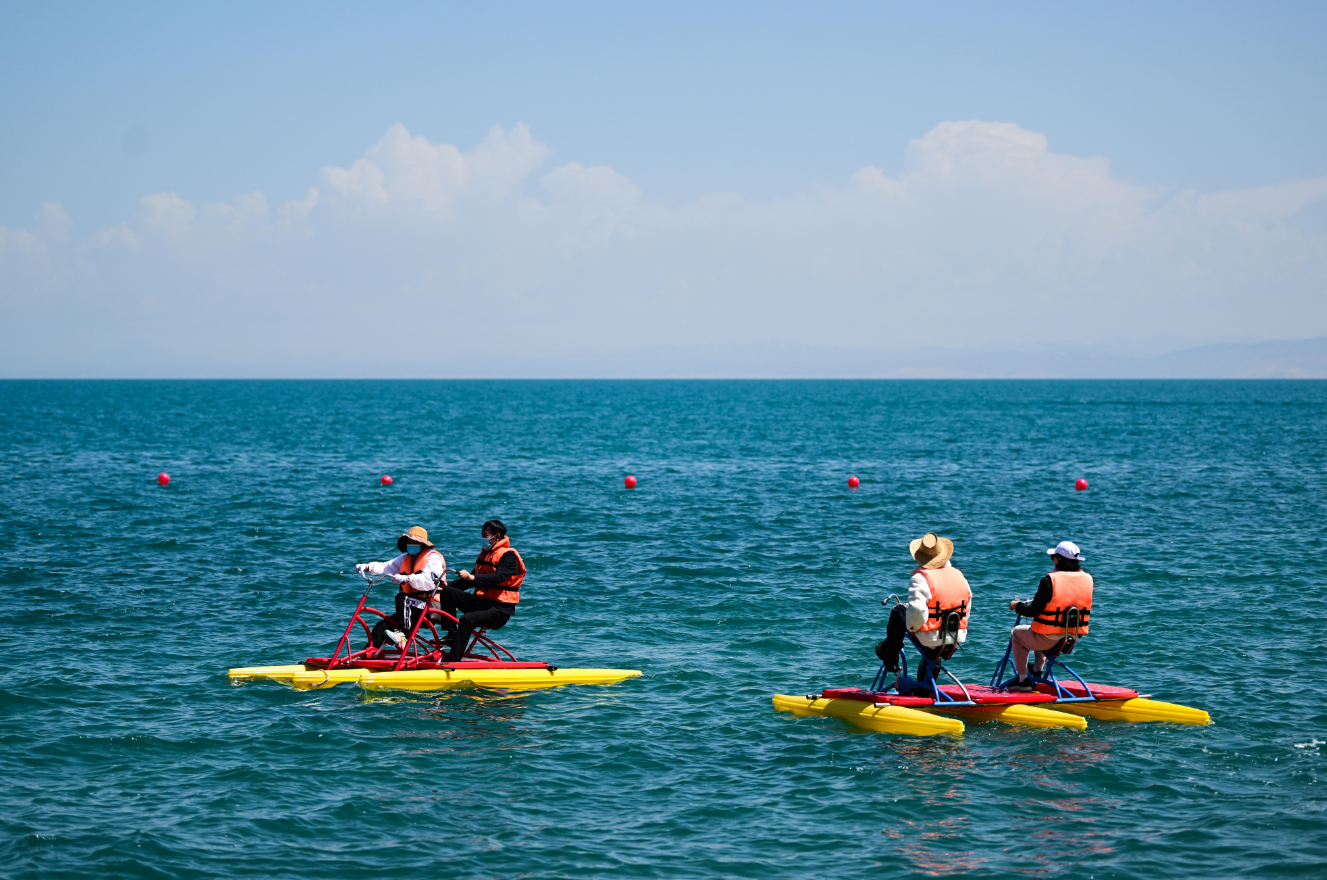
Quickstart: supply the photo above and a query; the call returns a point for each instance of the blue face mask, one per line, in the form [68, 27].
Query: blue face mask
[412, 549]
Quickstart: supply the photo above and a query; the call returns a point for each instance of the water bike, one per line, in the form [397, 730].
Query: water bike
[1100, 701]
[921, 705]
[418, 661]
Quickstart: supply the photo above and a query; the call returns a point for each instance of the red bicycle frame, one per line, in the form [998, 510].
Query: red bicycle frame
[421, 649]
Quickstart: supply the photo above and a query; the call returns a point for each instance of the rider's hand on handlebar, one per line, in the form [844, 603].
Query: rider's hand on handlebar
[1013, 603]
[465, 575]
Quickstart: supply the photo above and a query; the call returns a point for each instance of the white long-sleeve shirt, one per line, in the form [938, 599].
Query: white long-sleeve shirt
[919, 598]
[434, 569]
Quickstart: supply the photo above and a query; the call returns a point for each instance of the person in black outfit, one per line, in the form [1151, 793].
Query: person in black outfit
[499, 571]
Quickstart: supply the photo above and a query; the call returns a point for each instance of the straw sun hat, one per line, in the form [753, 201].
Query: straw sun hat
[931, 550]
[416, 535]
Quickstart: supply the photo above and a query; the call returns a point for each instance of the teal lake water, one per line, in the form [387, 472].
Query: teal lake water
[741, 566]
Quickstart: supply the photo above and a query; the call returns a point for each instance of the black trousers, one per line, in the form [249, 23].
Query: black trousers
[895, 631]
[404, 619]
[479, 614]
[888, 650]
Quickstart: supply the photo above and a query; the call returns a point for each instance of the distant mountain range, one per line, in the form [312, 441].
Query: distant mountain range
[1287, 359]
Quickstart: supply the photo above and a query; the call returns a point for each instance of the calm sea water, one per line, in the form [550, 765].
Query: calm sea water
[741, 566]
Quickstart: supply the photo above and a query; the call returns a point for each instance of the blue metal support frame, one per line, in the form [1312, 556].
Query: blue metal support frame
[1062, 694]
[927, 668]
[928, 672]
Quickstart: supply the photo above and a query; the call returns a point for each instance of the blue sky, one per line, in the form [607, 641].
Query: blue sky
[729, 116]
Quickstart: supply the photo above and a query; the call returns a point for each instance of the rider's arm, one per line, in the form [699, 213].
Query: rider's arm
[378, 569]
[1038, 604]
[507, 567]
[919, 597]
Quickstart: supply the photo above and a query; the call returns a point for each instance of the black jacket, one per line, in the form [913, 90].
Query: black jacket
[507, 567]
[1045, 591]
[1038, 604]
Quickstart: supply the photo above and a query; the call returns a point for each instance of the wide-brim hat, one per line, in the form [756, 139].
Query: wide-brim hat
[931, 550]
[416, 535]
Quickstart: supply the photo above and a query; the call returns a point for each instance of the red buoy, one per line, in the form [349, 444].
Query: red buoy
[629, 482]
[1081, 484]
[386, 480]
[853, 482]
[163, 479]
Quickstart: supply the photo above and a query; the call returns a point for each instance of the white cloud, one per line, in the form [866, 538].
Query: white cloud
[404, 168]
[240, 215]
[297, 210]
[987, 237]
[53, 223]
[591, 186]
[166, 213]
[37, 258]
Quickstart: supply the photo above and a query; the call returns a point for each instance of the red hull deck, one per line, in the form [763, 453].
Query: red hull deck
[389, 665]
[981, 695]
[1100, 691]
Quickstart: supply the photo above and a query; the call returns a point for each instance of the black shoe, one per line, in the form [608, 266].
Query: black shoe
[1021, 686]
[889, 659]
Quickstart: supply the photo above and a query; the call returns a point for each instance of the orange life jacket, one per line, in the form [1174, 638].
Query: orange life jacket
[1068, 589]
[415, 564]
[949, 592]
[508, 590]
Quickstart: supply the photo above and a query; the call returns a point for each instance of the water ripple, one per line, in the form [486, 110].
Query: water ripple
[741, 565]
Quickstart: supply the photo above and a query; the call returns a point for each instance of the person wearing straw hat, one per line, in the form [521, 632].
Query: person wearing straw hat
[936, 589]
[418, 570]
[1068, 586]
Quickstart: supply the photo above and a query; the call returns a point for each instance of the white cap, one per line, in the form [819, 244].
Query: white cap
[1067, 549]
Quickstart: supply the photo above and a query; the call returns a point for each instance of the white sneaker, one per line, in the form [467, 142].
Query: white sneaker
[397, 637]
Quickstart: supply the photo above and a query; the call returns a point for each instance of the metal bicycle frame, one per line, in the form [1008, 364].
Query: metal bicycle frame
[412, 646]
[927, 668]
[1062, 694]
